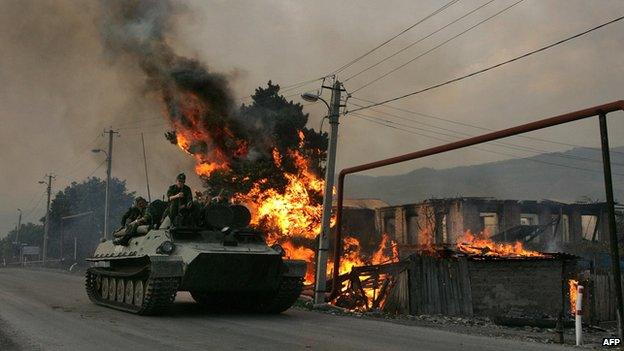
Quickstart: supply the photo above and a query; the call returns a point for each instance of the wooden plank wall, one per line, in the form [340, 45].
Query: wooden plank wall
[397, 301]
[603, 299]
[439, 286]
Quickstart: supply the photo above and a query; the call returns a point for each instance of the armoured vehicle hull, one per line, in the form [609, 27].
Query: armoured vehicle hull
[222, 269]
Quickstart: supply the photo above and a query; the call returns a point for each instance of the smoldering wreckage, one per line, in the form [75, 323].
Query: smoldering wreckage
[458, 257]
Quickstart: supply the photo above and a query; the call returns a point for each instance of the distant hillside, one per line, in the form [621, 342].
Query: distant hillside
[522, 179]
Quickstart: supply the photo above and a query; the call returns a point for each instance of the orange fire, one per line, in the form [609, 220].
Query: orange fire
[301, 253]
[572, 286]
[481, 245]
[204, 164]
[387, 252]
[292, 212]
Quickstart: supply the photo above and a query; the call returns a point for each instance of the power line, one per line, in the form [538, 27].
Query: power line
[482, 149]
[492, 67]
[348, 64]
[437, 46]
[148, 126]
[537, 151]
[293, 86]
[34, 208]
[451, 121]
[81, 162]
[487, 129]
[138, 121]
[418, 41]
[96, 169]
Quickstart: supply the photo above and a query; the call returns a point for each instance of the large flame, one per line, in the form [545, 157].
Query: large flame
[481, 244]
[284, 214]
[213, 145]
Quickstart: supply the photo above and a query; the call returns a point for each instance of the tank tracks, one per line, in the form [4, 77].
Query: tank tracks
[135, 293]
[276, 302]
[287, 294]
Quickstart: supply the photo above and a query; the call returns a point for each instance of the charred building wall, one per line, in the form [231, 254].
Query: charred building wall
[360, 221]
[544, 225]
[516, 288]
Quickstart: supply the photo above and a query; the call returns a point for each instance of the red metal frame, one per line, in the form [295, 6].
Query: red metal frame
[541, 124]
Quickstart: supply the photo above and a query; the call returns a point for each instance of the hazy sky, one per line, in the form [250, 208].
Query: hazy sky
[60, 88]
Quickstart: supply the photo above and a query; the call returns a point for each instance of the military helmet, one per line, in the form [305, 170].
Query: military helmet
[140, 199]
[181, 177]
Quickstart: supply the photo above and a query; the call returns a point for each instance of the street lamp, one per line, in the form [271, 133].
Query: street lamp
[311, 97]
[323, 242]
[107, 194]
[97, 151]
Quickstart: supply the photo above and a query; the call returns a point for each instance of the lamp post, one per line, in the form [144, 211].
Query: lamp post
[323, 244]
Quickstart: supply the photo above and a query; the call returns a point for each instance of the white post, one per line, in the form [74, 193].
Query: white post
[579, 313]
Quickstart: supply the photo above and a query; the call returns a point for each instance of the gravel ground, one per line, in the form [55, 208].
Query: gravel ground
[483, 326]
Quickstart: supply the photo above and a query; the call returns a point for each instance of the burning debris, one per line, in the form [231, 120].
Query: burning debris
[482, 245]
[367, 285]
[365, 281]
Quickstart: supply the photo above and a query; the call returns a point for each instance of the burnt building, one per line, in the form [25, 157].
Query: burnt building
[544, 225]
[359, 220]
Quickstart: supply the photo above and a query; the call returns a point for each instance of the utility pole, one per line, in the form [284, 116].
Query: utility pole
[109, 162]
[149, 196]
[321, 256]
[615, 254]
[46, 229]
[19, 226]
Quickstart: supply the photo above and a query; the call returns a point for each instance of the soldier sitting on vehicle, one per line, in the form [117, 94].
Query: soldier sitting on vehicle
[133, 218]
[180, 199]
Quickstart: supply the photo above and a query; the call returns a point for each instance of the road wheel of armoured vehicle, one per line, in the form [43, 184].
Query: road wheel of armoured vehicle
[121, 290]
[104, 288]
[112, 289]
[129, 295]
[286, 295]
[138, 293]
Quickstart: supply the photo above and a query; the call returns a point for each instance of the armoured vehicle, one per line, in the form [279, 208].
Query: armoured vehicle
[214, 255]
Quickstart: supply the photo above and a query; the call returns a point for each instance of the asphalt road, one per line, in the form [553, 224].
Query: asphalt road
[46, 310]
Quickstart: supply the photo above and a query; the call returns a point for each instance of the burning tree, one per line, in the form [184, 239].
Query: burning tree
[275, 128]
